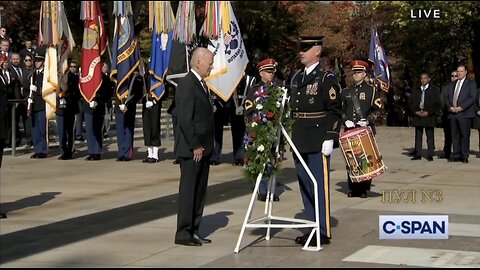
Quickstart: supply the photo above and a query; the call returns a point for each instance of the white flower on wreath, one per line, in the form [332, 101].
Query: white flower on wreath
[261, 148]
[259, 106]
[254, 124]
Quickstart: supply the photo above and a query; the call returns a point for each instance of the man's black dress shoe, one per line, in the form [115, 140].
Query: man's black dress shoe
[189, 242]
[203, 240]
[65, 157]
[416, 158]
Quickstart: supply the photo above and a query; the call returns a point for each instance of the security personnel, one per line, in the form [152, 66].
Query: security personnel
[37, 105]
[125, 111]
[317, 111]
[67, 107]
[266, 70]
[362, 105]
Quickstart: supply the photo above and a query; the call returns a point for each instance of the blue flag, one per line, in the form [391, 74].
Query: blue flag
[378, 57]
[125, 54]
[159, 62]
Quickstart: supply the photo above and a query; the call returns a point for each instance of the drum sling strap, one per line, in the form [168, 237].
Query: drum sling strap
[356, 105]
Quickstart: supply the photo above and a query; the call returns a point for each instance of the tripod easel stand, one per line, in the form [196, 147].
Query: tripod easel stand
[268, 221]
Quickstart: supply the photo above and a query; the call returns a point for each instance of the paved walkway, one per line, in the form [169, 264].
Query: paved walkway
[79, 213]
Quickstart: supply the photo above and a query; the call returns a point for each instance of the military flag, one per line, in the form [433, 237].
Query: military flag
[93, 47]
[226, 44]
[125, 49]
[162, 22]
[378, 57]
[65, 46]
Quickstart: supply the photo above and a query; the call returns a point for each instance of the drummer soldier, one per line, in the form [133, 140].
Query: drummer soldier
[361, 106]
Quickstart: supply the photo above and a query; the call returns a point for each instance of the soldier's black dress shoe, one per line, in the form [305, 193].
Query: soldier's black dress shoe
[188, 242]
[262, 197]
[238, 163]
[301, 240]
[34, 156]
[126, 159]
[152, 160]
[97, 157]
[89, 157]
[146, 160]
[464, 160]
[176, 161]
[416, 158]
[214, 163]
[203, 240]
[41, 155]
[430, 158]
[2, 215]
[120, 159]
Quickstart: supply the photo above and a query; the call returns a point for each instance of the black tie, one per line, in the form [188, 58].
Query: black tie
[205, 88]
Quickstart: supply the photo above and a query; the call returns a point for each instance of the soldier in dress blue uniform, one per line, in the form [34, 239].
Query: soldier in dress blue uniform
[266, 70]
[362, 114]
[125, 111]
[317, 112]
[38, 114]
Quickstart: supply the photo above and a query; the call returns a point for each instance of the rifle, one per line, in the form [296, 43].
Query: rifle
[30, 97]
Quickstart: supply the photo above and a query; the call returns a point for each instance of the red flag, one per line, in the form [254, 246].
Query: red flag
[94, 45]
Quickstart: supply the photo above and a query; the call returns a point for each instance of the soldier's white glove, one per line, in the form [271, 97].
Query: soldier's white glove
[349, 124]
[62, 101]
[327, 147]
[363, 123]
[122, 107]
[30, 101]
[92, 104]
[478, 113]
[149, 104]
[33, 88]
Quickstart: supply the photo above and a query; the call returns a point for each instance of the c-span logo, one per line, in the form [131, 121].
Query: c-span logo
[413, 227]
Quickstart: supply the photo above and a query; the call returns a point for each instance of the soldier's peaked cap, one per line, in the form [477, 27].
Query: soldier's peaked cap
[267, 64]
[309, 41]
[358, 65]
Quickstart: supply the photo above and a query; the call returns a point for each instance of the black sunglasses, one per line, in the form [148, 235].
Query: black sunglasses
[28, 60]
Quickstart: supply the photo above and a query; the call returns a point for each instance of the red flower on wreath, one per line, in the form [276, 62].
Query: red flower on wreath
[252, 134]
[269, 115]
[245, 160]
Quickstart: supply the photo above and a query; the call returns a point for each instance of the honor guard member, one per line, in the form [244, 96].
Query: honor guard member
[94, 116]
[231, 111]
[68, 95]
[37, 103]
[151, 114]
[317, 111]
[125, 111]
[362, 105]
[266, 70]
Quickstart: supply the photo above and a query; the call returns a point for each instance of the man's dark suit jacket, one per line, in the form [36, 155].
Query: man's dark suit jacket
[466, 99]
[195, 127]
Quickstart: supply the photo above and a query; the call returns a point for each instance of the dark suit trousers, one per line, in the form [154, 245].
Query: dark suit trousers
[66, 137]
[238, 131]
[447, 133]
[429, 131]
[219, 117]
[2, 146]
[461, 136]
[191, 196]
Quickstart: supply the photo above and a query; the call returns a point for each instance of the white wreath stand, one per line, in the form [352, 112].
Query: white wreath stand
[268, 221]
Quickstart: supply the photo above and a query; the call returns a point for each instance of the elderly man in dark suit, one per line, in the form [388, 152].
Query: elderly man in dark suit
[460, 101]
[194, 146]
[424, 103]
